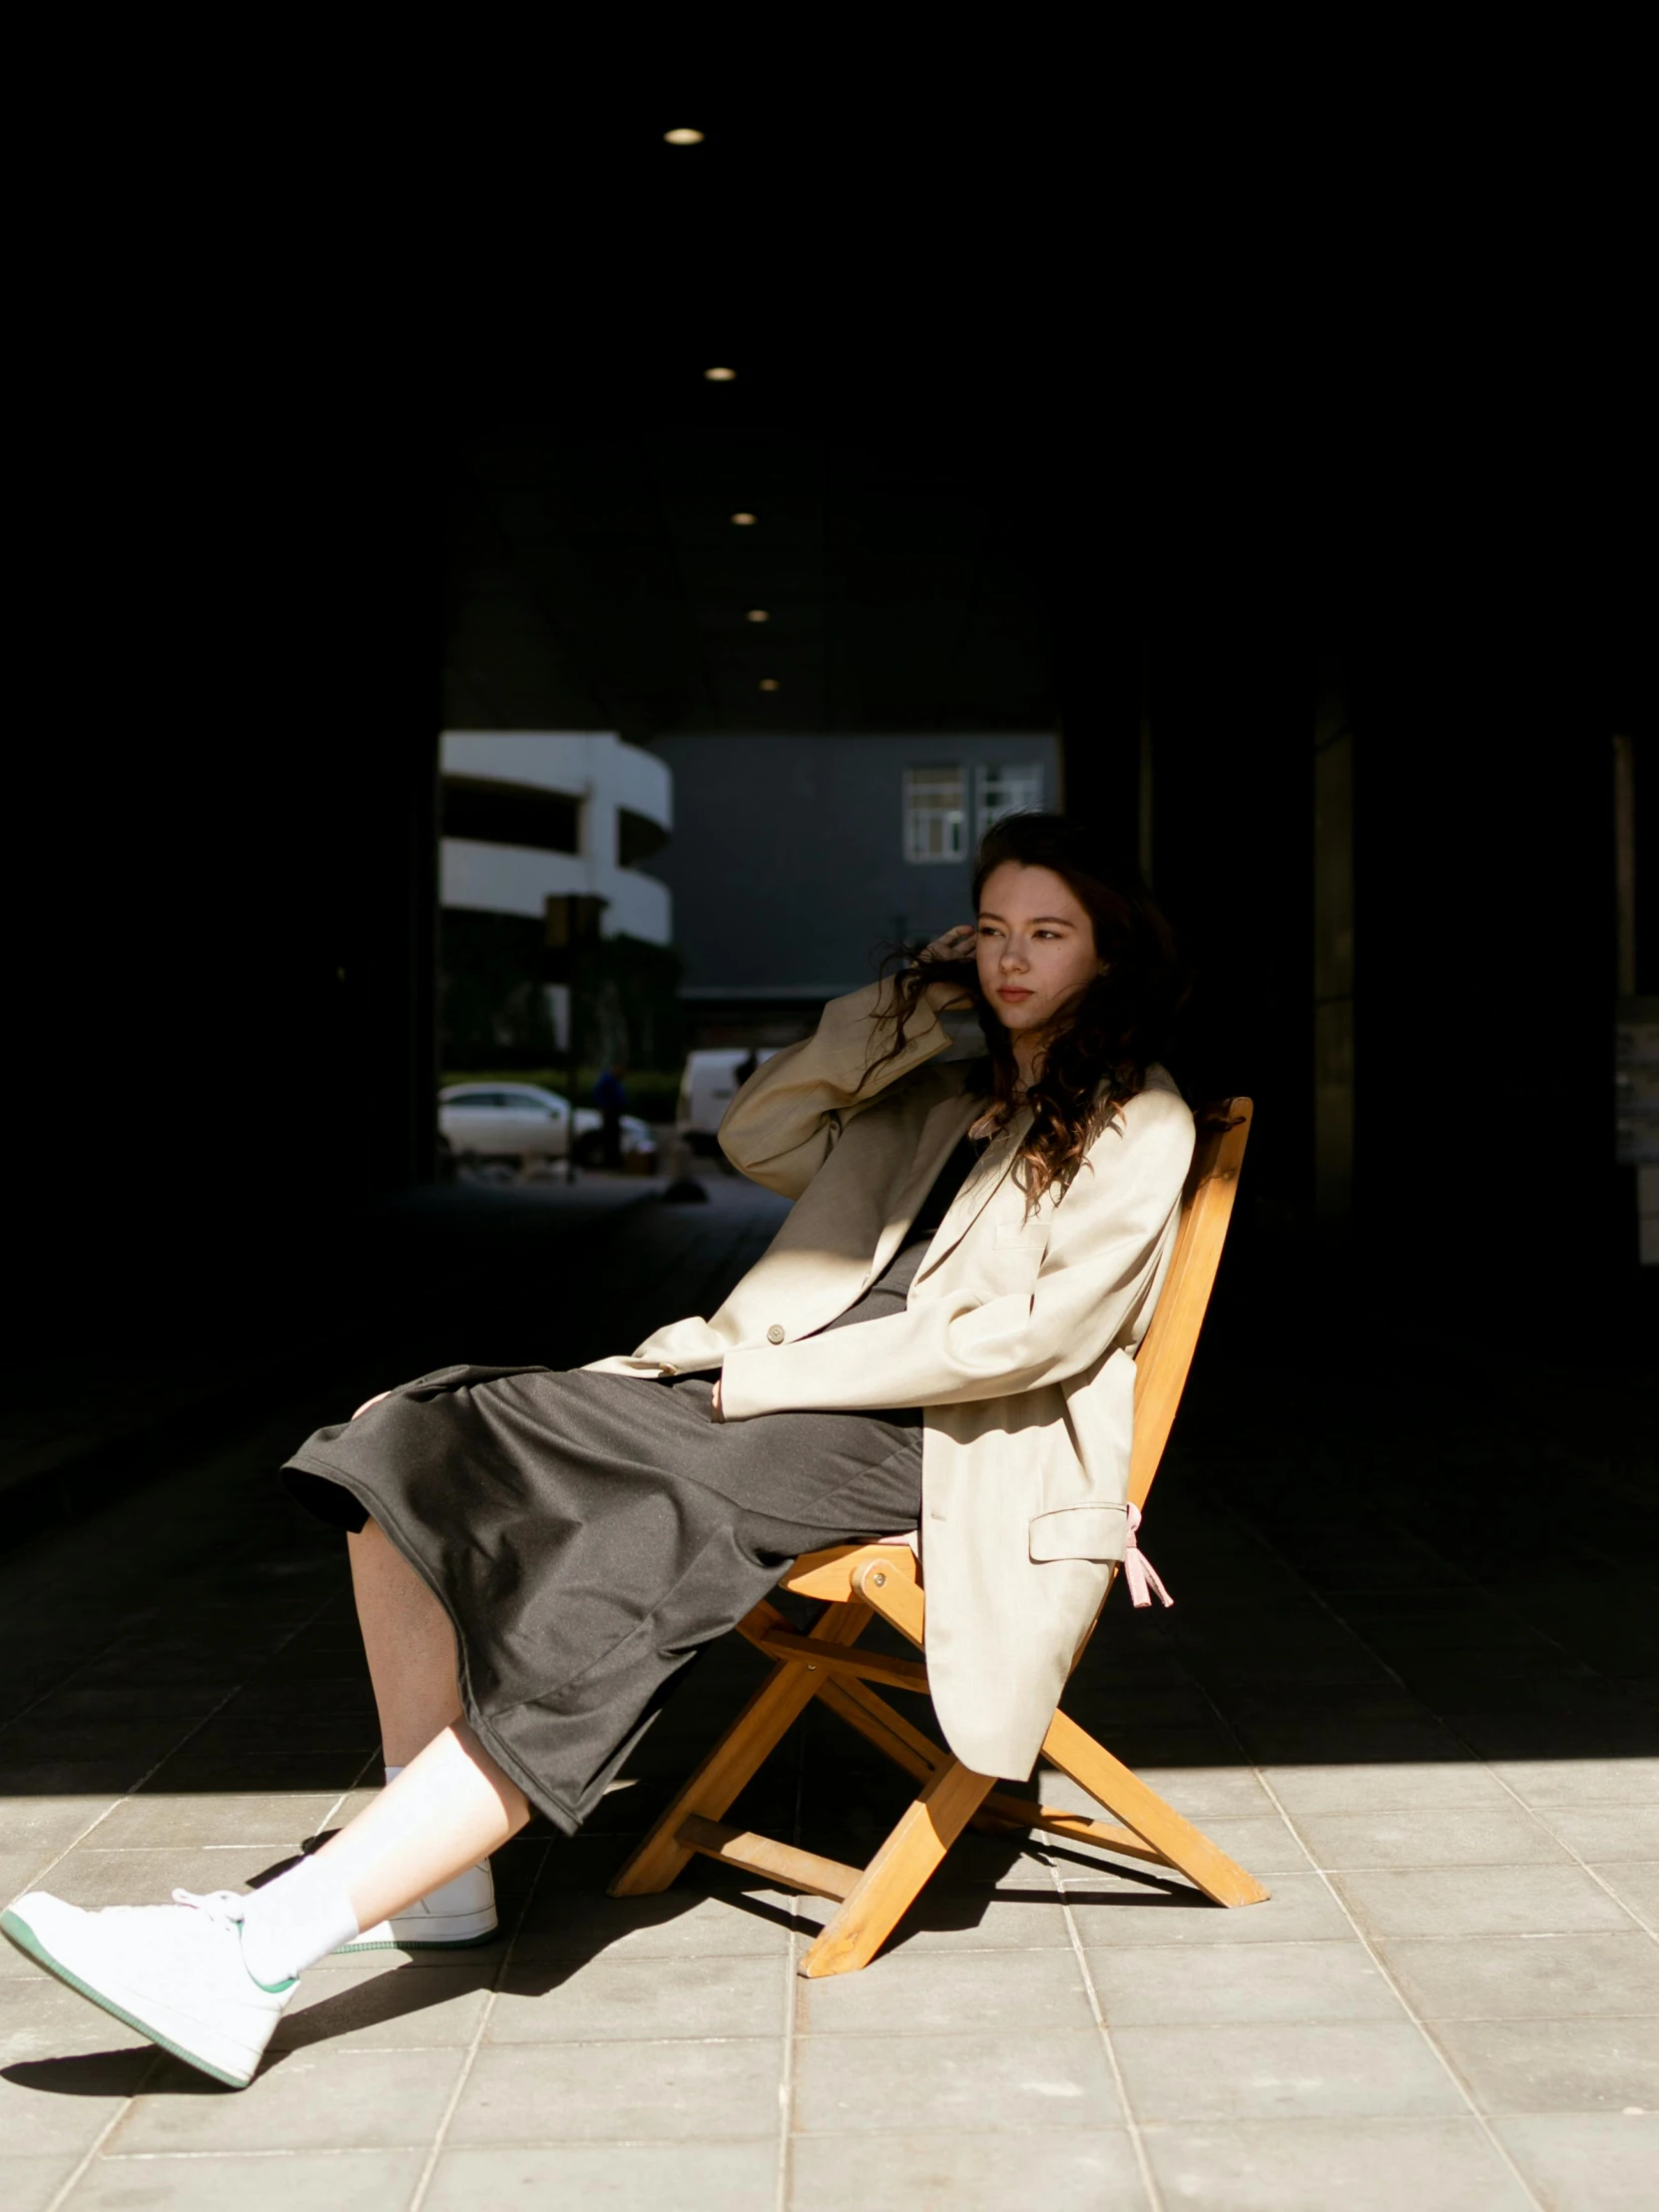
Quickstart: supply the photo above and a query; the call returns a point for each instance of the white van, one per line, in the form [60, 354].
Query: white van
[708, 1087]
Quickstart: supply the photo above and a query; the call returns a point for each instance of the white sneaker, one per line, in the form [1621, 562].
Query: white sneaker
[462, 1911]
[175, 1972]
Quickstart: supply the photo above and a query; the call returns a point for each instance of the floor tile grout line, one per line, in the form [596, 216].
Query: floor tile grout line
[1033, 2133]
[1601, 1883]
[98, 1819]
[103, 1650]
[365, 1768]
[1463, 1580]
[95, 2146]
[1492, 1596]
[1329, 1609]
[840, 2036]
[1354, 1635]
[792, 1999]
[61, 1682]
[128, 1794]
[865, 2034]
[471, 2057]
[1577, 1857]
[1431, 2039]
[1131, 2119]
[311, 2150]
[173, 1750]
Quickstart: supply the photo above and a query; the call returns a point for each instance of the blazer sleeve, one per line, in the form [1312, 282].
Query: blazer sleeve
[1103, 1252]
[784, 1123]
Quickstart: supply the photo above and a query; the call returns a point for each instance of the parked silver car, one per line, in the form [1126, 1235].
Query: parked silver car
[522, 1122]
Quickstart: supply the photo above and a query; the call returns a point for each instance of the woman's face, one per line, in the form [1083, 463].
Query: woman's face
[1036, 950]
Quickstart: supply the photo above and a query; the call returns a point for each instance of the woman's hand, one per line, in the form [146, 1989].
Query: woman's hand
[956, 945]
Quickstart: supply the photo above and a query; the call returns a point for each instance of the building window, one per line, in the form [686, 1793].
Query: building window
[936, 813]
[521, 814]
[1009, 790]
[637, 837]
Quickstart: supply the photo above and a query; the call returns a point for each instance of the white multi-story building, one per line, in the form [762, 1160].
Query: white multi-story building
[530, 814]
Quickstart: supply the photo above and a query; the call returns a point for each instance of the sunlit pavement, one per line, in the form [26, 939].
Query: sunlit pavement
[1404, 1684]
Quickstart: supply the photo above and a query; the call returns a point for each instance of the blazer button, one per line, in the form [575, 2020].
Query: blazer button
[774, 1335]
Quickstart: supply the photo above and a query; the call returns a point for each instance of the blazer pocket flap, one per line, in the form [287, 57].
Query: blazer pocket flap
[1080, 1532]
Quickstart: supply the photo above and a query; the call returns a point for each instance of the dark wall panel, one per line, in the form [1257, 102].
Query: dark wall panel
[221, 897]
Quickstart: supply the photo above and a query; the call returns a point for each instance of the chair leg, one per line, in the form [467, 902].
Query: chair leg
[890, 1733]
[1176, 1840]
[784, 1693]
[895, 1875]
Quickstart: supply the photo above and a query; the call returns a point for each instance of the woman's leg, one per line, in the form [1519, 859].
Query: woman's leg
[211, 1977]
[449, 1807]
[409, 1644]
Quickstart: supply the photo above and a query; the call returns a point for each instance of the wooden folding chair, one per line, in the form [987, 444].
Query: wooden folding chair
[861, 1581]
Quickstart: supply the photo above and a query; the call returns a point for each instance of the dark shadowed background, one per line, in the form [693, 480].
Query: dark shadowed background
[1303, 524]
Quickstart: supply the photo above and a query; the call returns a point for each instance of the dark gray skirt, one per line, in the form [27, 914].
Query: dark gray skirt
[588, 1535]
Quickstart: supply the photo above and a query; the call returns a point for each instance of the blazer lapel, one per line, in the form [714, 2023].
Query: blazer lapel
[946, 1124]
[975, 1195]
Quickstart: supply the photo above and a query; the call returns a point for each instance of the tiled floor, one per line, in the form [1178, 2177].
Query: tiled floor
[1437, 1748]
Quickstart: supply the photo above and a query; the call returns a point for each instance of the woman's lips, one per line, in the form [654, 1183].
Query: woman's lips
[1012, 991]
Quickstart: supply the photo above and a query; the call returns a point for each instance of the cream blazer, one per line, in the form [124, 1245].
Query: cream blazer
[1016, 1341]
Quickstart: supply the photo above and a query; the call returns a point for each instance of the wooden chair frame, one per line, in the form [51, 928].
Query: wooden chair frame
[860, 1582]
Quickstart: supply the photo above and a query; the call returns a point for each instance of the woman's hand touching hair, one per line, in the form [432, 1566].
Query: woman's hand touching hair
[950, 993]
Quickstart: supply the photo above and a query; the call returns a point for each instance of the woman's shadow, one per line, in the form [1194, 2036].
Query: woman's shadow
[550, 1934]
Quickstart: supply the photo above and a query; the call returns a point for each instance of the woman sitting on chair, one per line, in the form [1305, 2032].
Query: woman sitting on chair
[536, 1555]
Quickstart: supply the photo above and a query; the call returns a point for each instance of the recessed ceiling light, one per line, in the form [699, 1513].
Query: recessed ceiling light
[758, 614]
[742, 521]
[719, 375]
[769, 683]
[683, 138]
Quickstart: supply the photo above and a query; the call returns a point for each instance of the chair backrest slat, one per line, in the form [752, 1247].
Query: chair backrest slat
[1166, 1350]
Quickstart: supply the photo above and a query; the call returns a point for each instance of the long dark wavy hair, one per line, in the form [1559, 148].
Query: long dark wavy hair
[1122, 1023]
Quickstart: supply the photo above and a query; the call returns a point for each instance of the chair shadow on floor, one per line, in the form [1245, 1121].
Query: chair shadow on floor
[589, 1926]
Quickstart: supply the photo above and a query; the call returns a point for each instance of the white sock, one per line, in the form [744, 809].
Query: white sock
[293, 1921]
